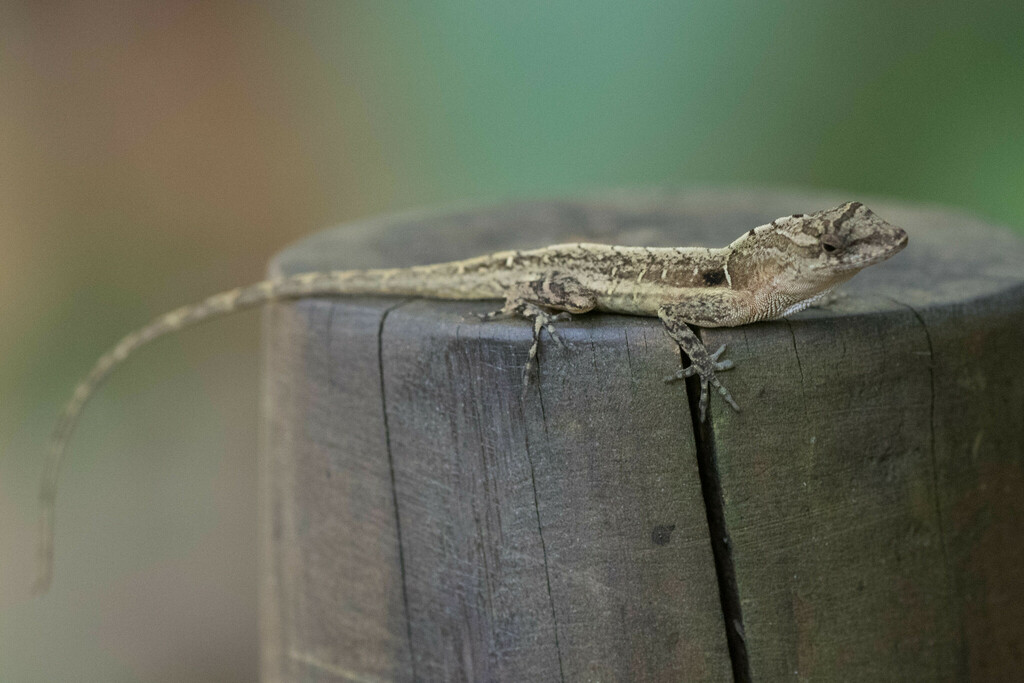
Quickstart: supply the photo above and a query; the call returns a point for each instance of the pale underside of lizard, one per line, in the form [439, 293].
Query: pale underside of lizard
[768, 272]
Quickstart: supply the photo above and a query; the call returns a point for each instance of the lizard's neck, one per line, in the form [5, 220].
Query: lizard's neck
[778, 301]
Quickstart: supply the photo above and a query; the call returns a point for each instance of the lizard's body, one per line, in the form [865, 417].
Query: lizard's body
[770, 271]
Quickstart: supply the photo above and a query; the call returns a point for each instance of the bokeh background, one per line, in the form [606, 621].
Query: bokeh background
[153, 153]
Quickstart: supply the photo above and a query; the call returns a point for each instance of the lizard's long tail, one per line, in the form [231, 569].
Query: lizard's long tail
[445, 281]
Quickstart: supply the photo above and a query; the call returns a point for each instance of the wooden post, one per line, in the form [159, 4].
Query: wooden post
[859, 520]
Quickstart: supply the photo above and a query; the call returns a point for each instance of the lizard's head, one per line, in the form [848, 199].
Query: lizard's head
[805, 254]
[842, 240]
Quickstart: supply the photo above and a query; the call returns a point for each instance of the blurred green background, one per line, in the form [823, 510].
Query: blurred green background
[153, 153]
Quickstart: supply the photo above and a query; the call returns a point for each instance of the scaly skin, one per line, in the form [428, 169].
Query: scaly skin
[769, 272]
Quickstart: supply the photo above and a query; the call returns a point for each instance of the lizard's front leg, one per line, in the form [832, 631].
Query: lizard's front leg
[702, 363]
[536, 299]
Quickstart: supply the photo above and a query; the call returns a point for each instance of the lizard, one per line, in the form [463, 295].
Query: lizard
[769, 272]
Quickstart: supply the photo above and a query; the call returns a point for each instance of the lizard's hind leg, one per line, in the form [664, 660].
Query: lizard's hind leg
[537, 300]
[542, 320]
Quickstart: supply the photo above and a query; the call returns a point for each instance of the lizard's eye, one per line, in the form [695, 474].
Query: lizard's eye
[830, 242]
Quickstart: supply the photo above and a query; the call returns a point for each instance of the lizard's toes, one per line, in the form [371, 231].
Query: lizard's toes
[682, 373]
[549, 321]
[554, 334]
[531, 362]
[703, 406]
[486, 317]
[725, 394]
[721, 365]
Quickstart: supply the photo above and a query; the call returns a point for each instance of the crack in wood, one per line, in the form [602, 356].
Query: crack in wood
[394, 488]
[721, 546]
[540, 527]
[931, 447]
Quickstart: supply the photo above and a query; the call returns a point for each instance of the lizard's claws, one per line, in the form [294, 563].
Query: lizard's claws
[704, 395]
[549, 326]
[682, 373]
[707, 377]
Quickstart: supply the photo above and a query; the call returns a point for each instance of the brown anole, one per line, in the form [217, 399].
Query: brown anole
[769, 272]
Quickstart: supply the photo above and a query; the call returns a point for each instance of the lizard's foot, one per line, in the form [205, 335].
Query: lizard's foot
[706, 371]
[542, 320]
[530, 312]
[691, 370]
[537, 300]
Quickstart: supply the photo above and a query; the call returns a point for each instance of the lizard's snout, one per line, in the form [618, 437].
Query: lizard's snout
[869, 240]
[890, 242]
[901, 238]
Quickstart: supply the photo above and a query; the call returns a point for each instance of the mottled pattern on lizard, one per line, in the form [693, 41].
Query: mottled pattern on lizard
[768, 272]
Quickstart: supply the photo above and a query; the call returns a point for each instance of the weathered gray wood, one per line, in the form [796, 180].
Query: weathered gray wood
[476, 573]
[827, 481]
[977, 437]
[422, 521]
[874, 488]
[617, 483]
[332, 546]
[542, 542]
